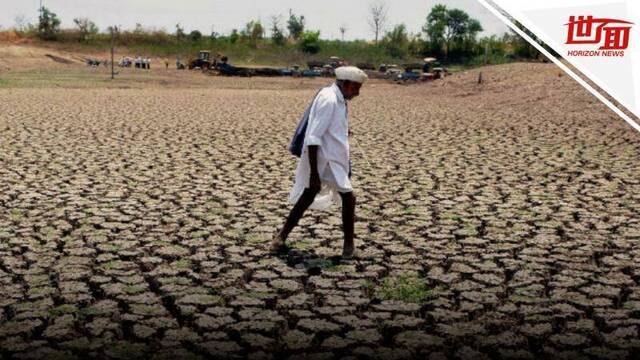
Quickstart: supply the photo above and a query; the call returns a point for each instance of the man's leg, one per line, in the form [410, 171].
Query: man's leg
[348, 222]
[306, 199]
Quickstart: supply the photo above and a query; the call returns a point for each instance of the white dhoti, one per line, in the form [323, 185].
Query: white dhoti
[328, 129]
[334, 179]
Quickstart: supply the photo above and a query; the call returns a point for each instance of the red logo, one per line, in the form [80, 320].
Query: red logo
[611, 34]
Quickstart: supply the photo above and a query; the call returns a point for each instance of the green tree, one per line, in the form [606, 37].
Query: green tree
[435, 26]
[396, 42]
[234, 36]
[295, 25]
[86, 28]
[310, 42]
[522, 48]
[180, 34]
[473, 28]
[195, 36]
[253, 32]
[445, 27]
[48, 24]
[417, 45]
[277, 34]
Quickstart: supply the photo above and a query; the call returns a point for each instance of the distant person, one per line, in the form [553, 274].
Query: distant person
[166, 64]
[324, 170]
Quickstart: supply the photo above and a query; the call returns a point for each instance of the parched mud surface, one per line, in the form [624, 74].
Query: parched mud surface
[135, 223]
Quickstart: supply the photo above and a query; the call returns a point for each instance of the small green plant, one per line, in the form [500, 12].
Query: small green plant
[301, 245]
[182, 264]
[335, 268]
[410, 210]
[450, 216]
[406, 288]
[368, 285]
[111, 265]
[15, 214]
[62, 310]
[134, 289]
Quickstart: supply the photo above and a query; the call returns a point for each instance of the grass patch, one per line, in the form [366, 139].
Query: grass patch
[258, 295]
[368, 285]
[134, 289]
[62, 310]
[405, 288]
[301, 245]
[15, 215]
[182, 264]
[410, 210]
[177, 280]
[449, 216]
[111, 248]
[255, 238]
[335, 268]
[111, 265]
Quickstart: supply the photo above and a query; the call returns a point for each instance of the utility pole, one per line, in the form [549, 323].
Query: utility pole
[113, 30]
[486, 53]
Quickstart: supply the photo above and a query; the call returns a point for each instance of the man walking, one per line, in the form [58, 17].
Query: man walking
[324, 170]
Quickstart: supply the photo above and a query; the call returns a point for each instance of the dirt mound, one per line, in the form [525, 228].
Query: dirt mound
[25, 57]
[517, 85]
[519, 77]
[10, 36]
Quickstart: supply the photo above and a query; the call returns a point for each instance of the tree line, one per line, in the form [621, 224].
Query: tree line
[449, 34]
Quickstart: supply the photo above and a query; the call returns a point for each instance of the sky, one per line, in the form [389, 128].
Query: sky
[224, 15]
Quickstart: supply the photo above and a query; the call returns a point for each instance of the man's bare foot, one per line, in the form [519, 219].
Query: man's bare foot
[277, 244]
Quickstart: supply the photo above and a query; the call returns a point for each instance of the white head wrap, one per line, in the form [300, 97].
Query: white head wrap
[351, 73]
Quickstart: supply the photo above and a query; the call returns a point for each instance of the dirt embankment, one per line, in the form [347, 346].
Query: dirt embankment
[27, 57]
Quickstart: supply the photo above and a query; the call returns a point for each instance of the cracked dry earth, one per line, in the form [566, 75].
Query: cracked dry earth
[135, 223]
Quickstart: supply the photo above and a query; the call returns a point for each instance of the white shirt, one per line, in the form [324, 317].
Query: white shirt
[328, 128]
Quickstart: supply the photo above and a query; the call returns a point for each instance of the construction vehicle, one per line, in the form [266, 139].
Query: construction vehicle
[333, 63]
[203, 61]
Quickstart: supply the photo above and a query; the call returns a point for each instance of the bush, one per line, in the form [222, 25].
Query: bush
[310, 42]
[234, 36]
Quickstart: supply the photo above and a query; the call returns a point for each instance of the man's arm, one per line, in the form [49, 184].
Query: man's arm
[319, 120]
[314, 180]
